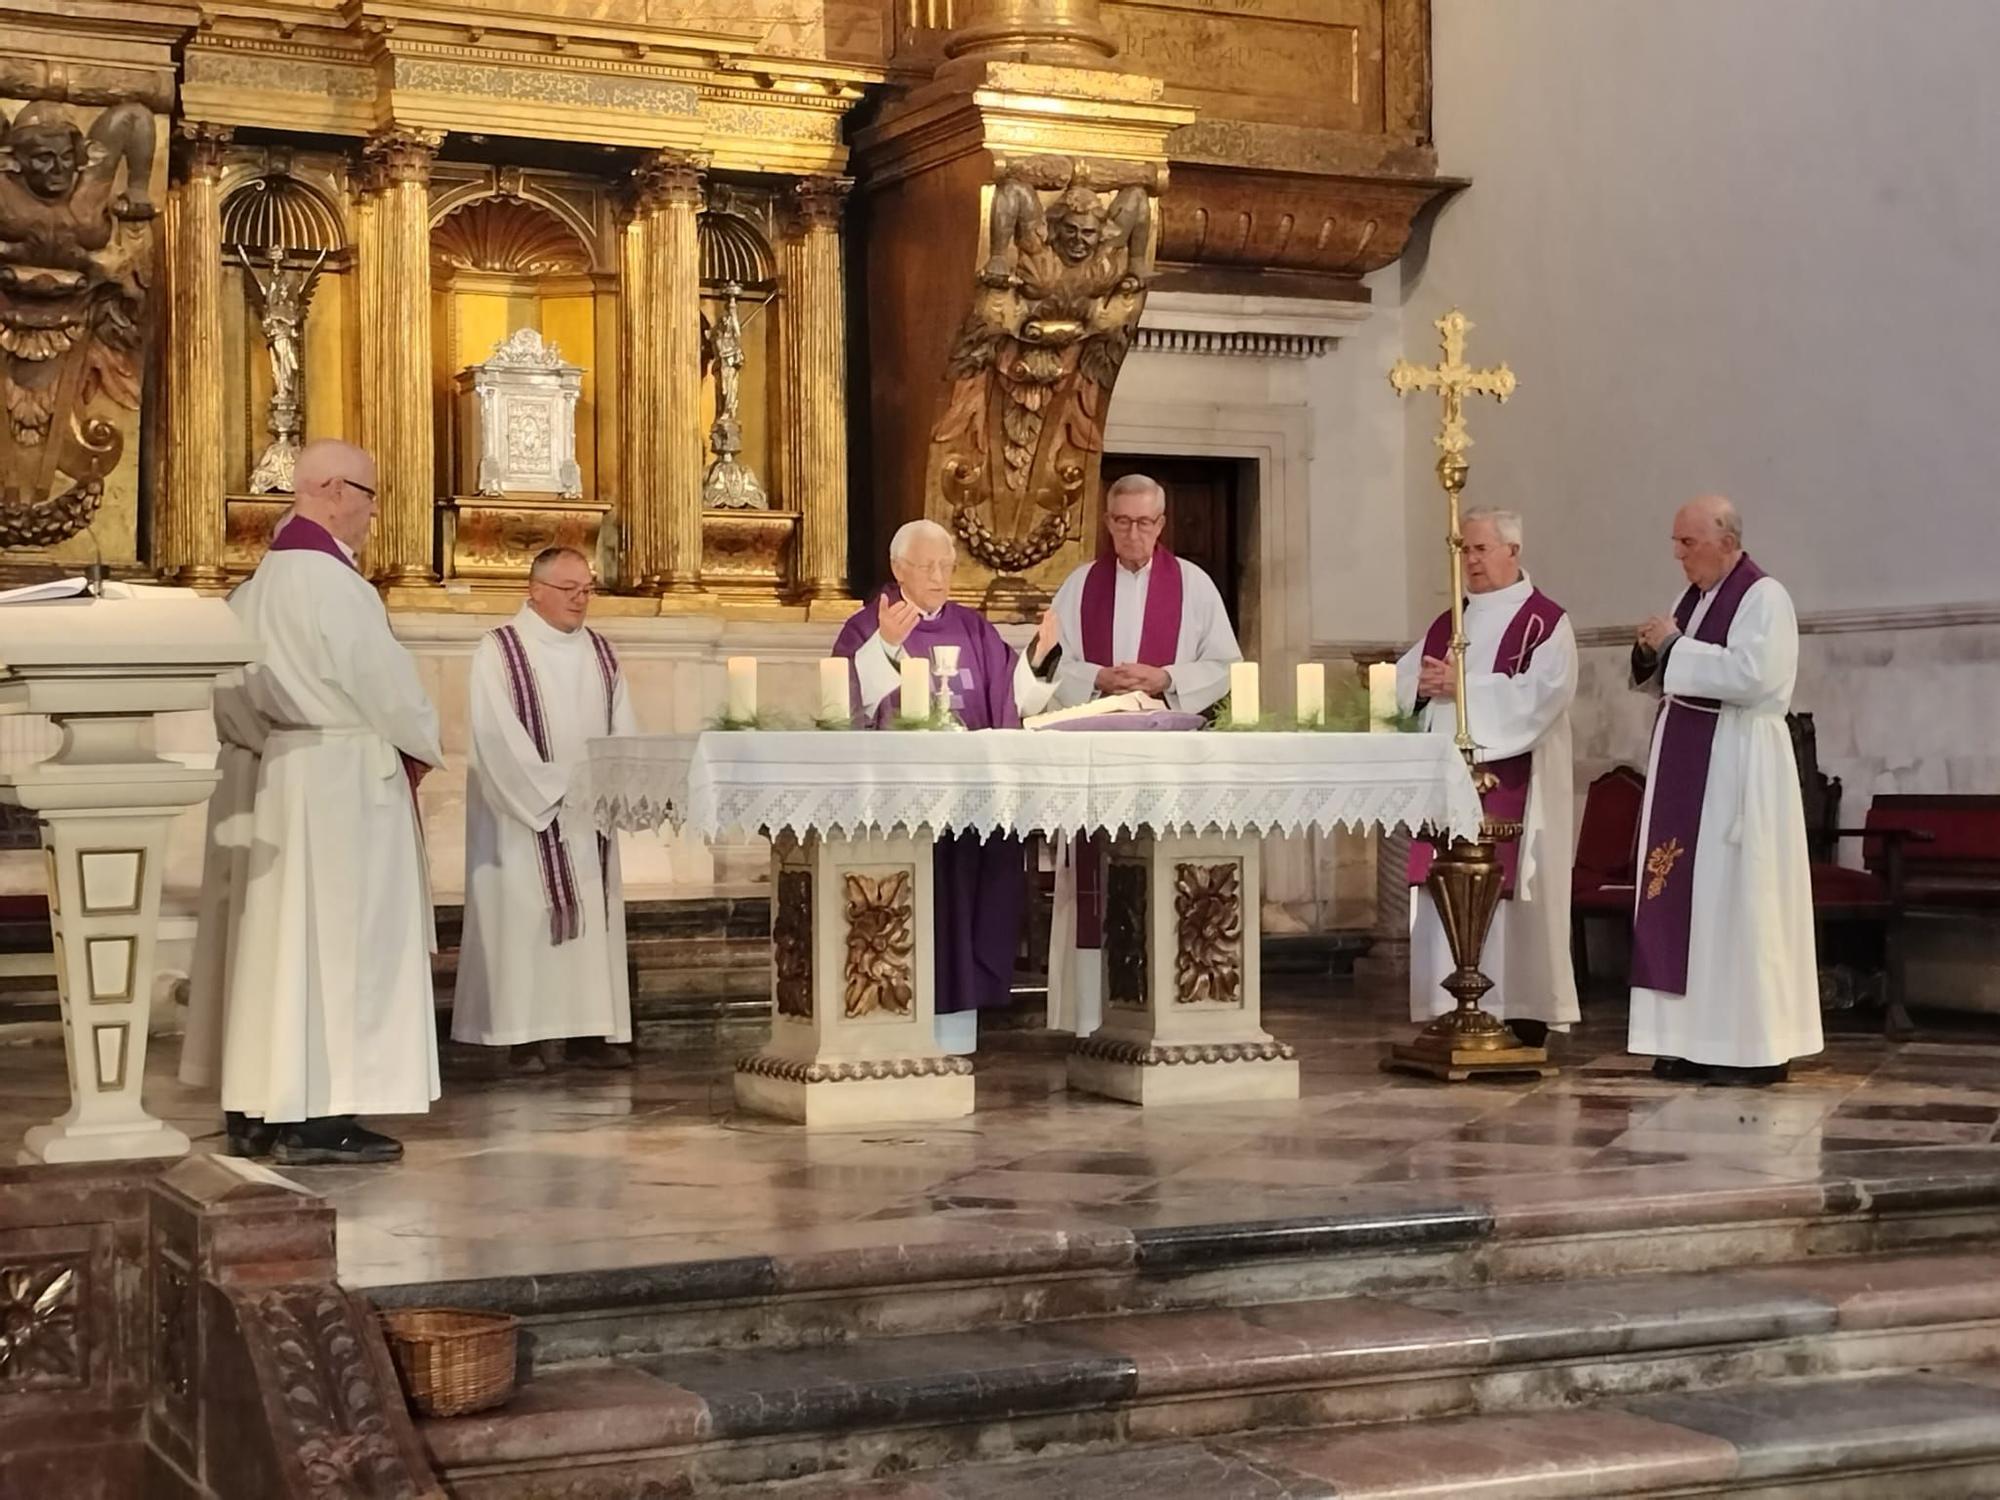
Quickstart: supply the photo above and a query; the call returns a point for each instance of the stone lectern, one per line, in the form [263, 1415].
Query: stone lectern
[102, 669]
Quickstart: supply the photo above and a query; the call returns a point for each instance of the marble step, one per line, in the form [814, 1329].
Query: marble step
[1890, 1437]
[941, 1275]
[923, 1402]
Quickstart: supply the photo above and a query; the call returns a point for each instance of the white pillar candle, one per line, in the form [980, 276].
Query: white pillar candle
[1244, 708]
[1382, 713]
[742, 699]
[1311, 695]
[833, 704]
[916, 687]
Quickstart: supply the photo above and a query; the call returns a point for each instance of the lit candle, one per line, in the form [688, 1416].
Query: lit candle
[916, 687]
[833, 704]
[1382, 713]
[1311, 693]
[742, 698]
[1244, 709]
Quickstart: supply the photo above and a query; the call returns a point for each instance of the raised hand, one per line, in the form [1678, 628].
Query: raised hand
[896, 620]
[1045, 639]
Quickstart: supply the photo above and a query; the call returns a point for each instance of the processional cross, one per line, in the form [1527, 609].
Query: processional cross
[1452, 378]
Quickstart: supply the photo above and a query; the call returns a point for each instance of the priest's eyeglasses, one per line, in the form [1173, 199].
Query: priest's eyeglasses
[1139, 523]
[571, 592]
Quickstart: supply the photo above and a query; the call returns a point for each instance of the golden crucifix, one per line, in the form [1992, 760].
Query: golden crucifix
[1452, 378]
[1466, 877]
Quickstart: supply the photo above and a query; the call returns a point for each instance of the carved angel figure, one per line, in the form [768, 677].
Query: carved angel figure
[283, 295]
[1058, 299]
[74, 269]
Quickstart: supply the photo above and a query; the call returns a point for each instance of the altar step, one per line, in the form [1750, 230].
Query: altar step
[1185, 1345]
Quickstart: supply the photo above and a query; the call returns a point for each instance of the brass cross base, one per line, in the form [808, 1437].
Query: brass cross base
[1465, 882]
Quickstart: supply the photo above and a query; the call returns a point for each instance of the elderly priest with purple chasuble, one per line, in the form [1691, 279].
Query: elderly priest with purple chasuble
[1724, 978]
[1520, 667]
[980, 884]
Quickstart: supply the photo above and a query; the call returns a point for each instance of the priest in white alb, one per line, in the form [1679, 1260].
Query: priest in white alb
[1520, 666]
[1137, 619]
[1725, 980]
[543, 955]
[330, 1011]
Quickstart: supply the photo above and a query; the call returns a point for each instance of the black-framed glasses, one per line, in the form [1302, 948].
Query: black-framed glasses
[367, 490]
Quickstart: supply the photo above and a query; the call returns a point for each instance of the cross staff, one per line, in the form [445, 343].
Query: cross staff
[1452, 378]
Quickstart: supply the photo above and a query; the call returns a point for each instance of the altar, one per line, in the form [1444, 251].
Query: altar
[851, 818]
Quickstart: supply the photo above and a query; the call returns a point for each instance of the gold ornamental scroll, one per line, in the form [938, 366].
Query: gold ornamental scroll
[813, 335]
[188, 521]
[1020, 189]
[401, 549]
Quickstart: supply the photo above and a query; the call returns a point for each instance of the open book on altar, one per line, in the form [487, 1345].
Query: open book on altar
[1116, 711]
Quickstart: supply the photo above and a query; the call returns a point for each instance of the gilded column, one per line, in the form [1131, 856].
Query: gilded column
[367, 303]
[188, 525]
[812, 334]
[643, 549]
[401, 548]
[673, 188]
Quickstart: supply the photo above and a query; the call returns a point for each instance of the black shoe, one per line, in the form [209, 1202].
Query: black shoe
[596, 1052]
[1750, 1078]
[526, 1057]
[246, 1136]
[1679, 1070]
[1530, 1033]
[333, 1143]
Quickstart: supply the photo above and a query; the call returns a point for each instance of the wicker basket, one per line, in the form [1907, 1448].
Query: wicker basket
[453, 1362]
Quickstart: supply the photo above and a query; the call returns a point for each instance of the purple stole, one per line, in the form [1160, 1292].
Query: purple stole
[1159, 632]
[1507, 801]
[558, 875]
[1663, 914]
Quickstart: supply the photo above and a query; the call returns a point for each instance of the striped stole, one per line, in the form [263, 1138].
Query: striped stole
[558, 875]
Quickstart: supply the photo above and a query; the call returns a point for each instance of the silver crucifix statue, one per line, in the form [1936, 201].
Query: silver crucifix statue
[730, 484]
[282, 295]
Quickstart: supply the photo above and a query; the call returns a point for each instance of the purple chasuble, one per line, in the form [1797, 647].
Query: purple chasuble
[1533, 623]
[979, 885]
[524, 692]
[1663, 906]
[1159, 631]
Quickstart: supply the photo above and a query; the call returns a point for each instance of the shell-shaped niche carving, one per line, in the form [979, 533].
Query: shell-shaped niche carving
[733, 250]
[508, 236]
[280, 210]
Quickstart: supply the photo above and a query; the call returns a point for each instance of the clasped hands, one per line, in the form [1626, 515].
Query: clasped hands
[1134, 677]
[1656, 632]
[1436, 680]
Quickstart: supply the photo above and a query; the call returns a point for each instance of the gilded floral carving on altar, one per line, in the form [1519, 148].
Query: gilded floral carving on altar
[76, 260]
[792, 945]
[1067, 255]
[41, 1333]
[1208, 947]
[881, 944]
[1125, 934]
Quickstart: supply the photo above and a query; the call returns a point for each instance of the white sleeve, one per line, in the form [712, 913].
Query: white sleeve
[1031, 693]
[379, 675]
[1076, 679]
[521, 784]
[1408, 668]
[1509, 715]
[1761, 656]
[1202, 679]
[876, 669]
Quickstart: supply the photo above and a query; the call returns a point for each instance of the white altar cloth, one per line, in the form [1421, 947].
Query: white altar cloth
[1020, 781]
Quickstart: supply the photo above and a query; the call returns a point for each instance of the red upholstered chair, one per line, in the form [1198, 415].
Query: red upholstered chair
[1607, 858]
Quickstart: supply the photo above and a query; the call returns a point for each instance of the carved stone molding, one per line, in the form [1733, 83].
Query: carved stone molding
[1145, 1055]
[1208, 926]
[43, 1343]
[669, 178]
[881, 941]
[792, 945]
[1246, 344]
[198, 147]
[1328, 231]
[509, 236]
[791, 1070]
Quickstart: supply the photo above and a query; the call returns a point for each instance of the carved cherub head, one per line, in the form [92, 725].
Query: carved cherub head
[46, 148]
[1076, 223]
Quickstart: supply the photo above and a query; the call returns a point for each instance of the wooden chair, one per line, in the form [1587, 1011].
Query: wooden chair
[1607, 859]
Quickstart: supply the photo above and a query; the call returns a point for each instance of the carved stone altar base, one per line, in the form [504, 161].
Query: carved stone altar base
[853, 1006]
[1183, 992]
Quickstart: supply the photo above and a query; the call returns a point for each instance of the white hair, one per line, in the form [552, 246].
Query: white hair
[909, 532]
[1729, 521]
[1137, 484]
[1506, 524]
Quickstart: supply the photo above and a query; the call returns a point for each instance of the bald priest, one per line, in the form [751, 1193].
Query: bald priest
[979, 884]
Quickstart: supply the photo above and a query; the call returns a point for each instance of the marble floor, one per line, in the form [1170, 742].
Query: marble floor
[591, 1171]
